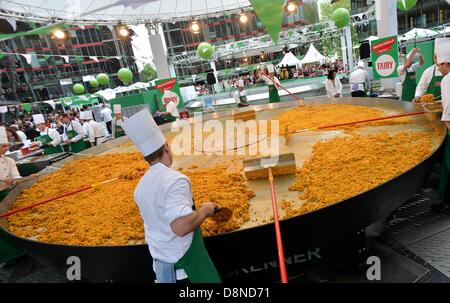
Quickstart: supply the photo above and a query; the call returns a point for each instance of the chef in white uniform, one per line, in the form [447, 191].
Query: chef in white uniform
[164, 198]
[50, 138]
[359, 81]
[240, 96]
[88, 129]
[117, 121]
[73, 134]
[98, 129]
[442, 49]
[430, 82]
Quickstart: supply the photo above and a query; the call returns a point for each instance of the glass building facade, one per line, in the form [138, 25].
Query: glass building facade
[90, 50]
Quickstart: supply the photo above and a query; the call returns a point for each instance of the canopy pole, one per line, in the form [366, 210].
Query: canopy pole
[348, 36]
[159, 55]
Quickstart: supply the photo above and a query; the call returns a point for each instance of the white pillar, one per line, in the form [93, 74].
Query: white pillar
[386, 15]
[348, 37]
[158, 51]
[344, 49]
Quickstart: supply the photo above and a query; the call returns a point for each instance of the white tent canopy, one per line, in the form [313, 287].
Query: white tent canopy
[313, 55]
[418, 33]
[290, 60]
[129, 11]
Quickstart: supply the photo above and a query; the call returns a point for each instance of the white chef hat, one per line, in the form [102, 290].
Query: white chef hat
[270, 68]
[361, 63]
[38, 119]
[143, 131]
[241, 83]
[117, 108]
[86, 115]
[442, 50]
[3, 136]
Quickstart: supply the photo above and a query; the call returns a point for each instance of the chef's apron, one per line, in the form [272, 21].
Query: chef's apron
[75, 147]
[8, 251]
[273, 94]
[243, 100]
[435, 85]
[443, 182]
[170, 118]
[409, 87]
[196, 262]
[49, 150]
[118, 131]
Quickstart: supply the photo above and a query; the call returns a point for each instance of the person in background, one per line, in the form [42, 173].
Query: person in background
[359, 81]
[73, 134]
[97, 127]
[164, 197]
[442, 60]
[240, 96]
[407, 73]
[333, 85]
[117, 130]
[88, 129]
[21, 134]
[429, 83]
[14, 139]
[272, 83]
[49, 138]
[106, 115]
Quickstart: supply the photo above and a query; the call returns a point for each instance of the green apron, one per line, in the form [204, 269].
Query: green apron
[435, 85]
[196, 262]
[443, 182]
[409, 87]
[50, 150]
[273, 94]
[8, 251]
[118, 130]
[243, 99]
[75, 147]
[170, 118]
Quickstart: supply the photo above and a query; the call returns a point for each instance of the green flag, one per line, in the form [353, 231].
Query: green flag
[2, 56]
[270, 12]
[26, 107]
[44, 30]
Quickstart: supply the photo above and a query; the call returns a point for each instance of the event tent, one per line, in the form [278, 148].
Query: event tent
[313, 55]
[418, 33]
[290, 60]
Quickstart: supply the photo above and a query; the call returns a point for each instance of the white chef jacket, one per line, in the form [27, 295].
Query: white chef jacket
[106, 114]
[445, 89]
[117, 122]
[98, 129]
[425, 80]
[237, 96]
[53, 133]
[76, 126]
[332, 90]
[164, 195]
[359, 76]
[269, 81]
[89, 130]
[402, 72]
[8, 169]
[171, 107]
[22, 136]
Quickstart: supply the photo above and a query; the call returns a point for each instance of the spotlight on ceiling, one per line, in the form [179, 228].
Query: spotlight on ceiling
[243, 18]
[291, 7]
[195, 28]
[124, 31]
[59, 34]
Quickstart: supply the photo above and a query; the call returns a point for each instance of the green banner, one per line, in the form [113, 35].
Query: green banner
[78, 100]
[385, 57]
[427, 51]
[2, 56]
[168, 90]
[44, 30]
[271, 13]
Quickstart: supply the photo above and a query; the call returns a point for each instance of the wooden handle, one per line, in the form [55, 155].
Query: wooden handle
[281, 260]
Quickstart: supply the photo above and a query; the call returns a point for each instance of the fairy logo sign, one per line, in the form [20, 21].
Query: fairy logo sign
[169, 91]
[385, 57]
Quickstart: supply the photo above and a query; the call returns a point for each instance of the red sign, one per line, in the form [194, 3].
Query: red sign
[384, 46]
[166, 85]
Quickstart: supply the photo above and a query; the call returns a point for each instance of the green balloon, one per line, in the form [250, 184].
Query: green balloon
[102, 79]
[93, 83]
[78, 89]
[125, 75]
[341, 17]
[408, 4]
[205, 50]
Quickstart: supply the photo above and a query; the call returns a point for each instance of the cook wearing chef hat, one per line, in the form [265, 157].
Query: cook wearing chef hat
[272, 83]
[359, 81]
[88, 128]
[98, 135]
[407, 73]
[442, 50]
[240, 96]
[164, 198]
[49, 138]
[117, 130]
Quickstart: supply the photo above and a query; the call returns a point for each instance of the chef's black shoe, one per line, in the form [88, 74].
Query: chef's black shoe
[443, 208]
